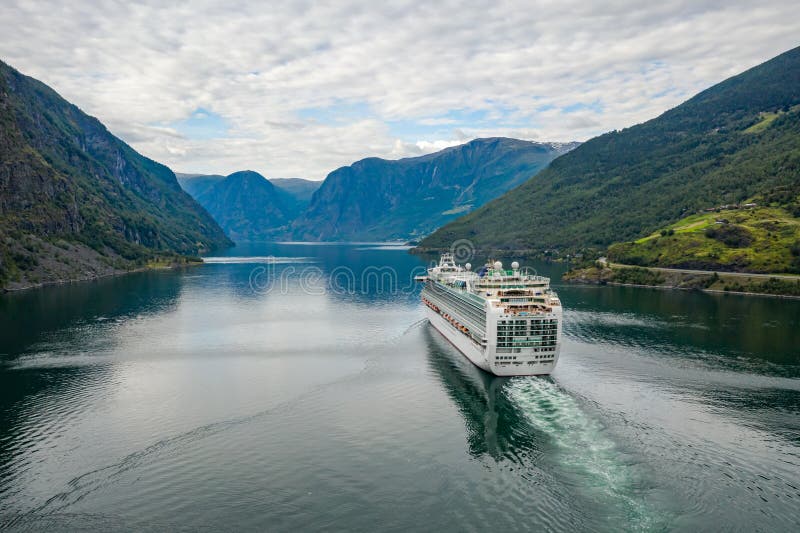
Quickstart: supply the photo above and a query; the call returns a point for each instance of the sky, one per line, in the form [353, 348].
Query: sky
[298, 89]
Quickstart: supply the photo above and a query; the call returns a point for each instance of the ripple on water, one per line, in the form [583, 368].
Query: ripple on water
[584, 453]
[663, 414]
[664, 341]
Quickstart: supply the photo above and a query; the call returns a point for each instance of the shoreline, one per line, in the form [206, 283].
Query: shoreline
[116, 273]
[777, 286]
[500, 254]
[687, 289]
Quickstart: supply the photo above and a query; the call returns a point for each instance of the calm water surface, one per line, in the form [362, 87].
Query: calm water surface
[251, 393]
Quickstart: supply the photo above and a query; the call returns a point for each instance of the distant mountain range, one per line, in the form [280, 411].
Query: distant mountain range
[77, 202]
[736, 142]
[372, 199]
[247, 205]
[378, 199]
[296, 191]
[197, 184]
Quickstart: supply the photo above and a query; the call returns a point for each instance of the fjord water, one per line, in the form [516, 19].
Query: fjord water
[254, 393]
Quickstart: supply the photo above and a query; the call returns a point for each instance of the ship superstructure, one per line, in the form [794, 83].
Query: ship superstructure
[507, 322]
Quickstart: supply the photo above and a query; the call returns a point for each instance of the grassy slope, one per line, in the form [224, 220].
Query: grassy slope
[770, 243]
[729, 143]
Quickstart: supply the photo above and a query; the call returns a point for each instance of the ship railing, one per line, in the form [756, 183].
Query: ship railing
[511, 274]
[512, 310]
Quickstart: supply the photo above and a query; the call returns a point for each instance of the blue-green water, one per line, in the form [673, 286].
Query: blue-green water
[307, 392]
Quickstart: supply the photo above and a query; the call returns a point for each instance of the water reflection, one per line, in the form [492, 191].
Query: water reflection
[495, 426]
[346, 273]
[532, 427]
[688, 324]
[32, 316]
[357, 410]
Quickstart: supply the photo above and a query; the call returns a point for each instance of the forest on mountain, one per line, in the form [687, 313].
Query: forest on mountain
[735, 142]
[76, 202]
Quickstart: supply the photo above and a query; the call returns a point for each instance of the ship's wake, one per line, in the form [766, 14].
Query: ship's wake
[584, 454]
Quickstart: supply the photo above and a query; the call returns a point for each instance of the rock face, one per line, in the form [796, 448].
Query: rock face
[378, 199]
[737, 140]
[247, 205]
[372, 199]
[76, 202]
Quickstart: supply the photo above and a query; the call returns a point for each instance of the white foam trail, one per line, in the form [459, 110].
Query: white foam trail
[582, 447]
[268, 260]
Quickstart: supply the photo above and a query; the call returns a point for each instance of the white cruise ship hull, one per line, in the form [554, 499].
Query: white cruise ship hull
[482, 357]
[506, 322]
[466, 346]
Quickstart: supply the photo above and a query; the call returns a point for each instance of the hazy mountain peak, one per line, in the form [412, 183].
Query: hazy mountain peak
[379, 199]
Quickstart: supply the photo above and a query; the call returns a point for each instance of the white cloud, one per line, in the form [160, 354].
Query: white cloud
[517, 64]
[411, 149]
[436, 121]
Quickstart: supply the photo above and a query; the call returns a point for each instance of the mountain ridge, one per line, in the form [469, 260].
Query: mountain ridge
[248, 206]
[382, 193]
[76, 202]
[381, 199]
[626, 184]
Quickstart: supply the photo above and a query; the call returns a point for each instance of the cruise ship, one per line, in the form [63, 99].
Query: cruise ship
[506, 322]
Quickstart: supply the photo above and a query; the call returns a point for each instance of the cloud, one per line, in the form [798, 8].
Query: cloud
[300, 88]
[436, 121]
[411, 149]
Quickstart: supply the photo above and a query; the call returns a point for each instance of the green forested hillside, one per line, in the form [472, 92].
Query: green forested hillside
[76, 202]
[736, 140]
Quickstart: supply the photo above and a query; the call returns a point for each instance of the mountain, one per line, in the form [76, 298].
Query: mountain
[730, 143]
[77, 202]
[248, 206]
[296, 193]
[378, 199]
[300, 189]
[196, 184]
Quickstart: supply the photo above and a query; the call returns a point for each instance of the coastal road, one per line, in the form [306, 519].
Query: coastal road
[790, 277]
